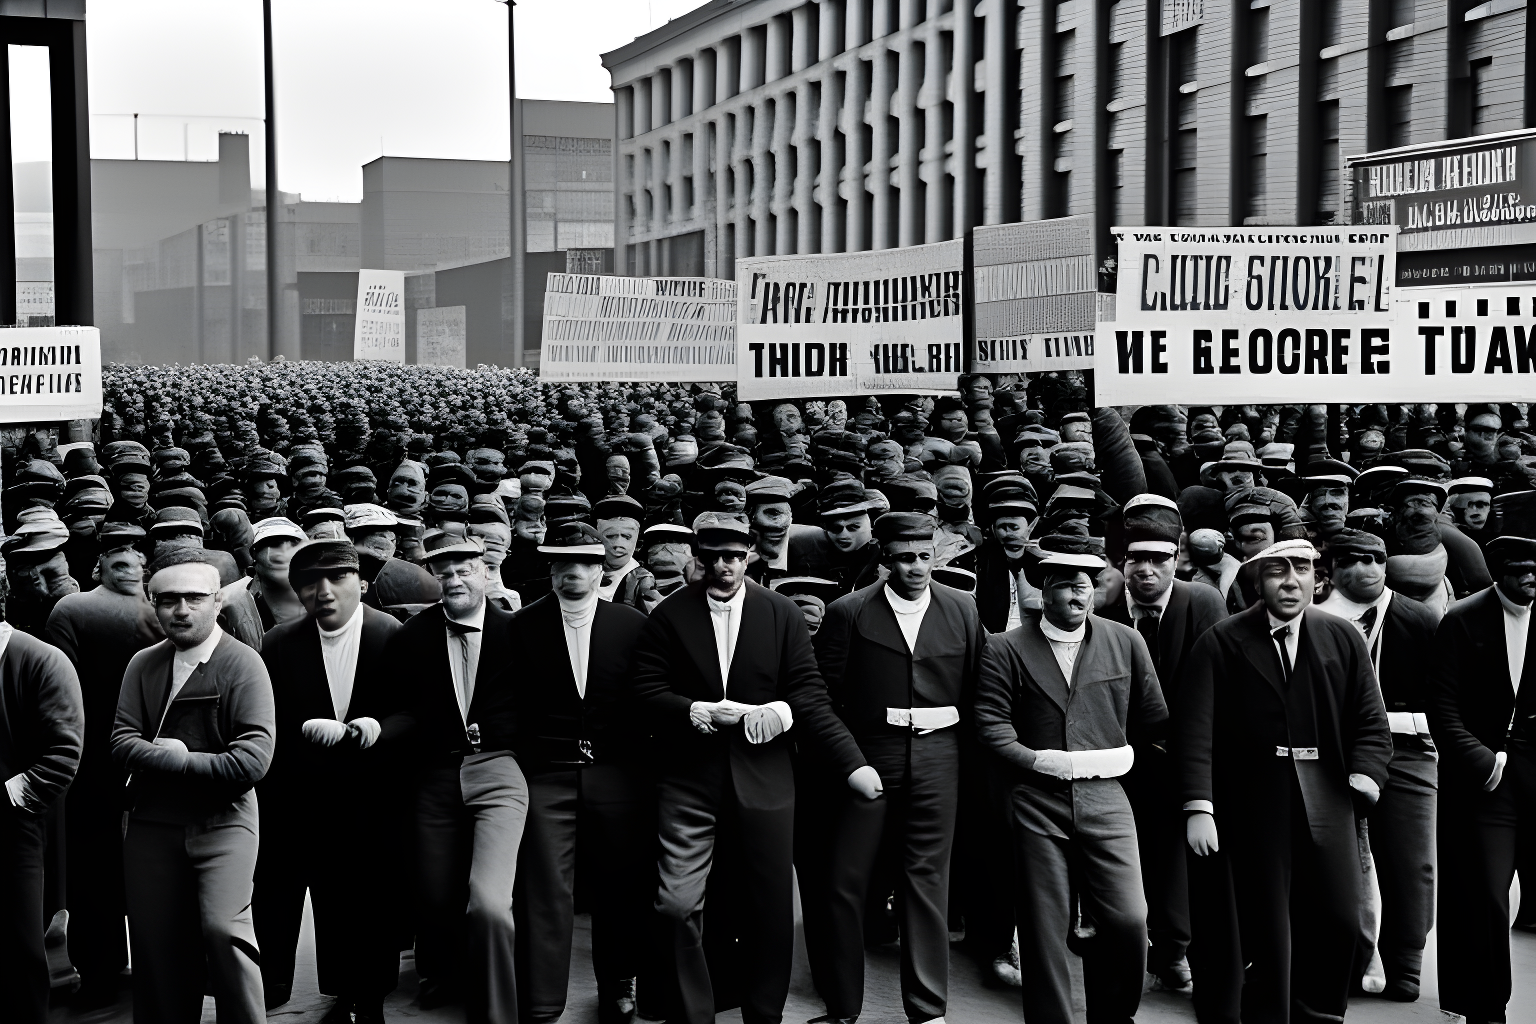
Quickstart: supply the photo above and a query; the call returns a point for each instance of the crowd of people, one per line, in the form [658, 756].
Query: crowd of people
[1223, 695]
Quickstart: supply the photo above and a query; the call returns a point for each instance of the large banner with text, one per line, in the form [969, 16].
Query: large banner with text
[851, 323]
[49, 373]
[380, 330]
[1036, 294]
[599, 328]
[1235, 315]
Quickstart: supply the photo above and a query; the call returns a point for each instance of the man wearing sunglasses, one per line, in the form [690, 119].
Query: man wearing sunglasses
[723, 671]
[1170, 615]
[195, 726]
[1400, 635]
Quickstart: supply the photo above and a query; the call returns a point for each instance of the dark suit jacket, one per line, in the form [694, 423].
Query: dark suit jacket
[1024, 704]
[676, 664]
[1472, 697]
[1192, 609]
[994, 580]
[1407, 655]
[418, 654]
[42, 720]
[551, 717]
[304, 776]
[1235, 710]
[864, 658]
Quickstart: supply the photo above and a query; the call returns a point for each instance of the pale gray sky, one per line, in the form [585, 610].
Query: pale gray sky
[355, 78]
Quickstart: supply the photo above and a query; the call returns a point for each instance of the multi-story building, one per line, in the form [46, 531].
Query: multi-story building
[755, 127]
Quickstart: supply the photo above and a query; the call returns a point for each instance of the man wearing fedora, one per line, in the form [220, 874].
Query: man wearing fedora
[585, 759]
[841, 548]
[1281, 741]
[1170, 615]
[624, 579]
[1400, 636]
[1061, 700]
[100, 631]
[900, 659]
[329, 810]
[723, 671]
[1483, 717]
[471, 797]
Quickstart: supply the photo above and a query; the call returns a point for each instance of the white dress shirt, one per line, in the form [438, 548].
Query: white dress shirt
[576, 618]
[1017, 581]
[1517, 627]
[1292, 639]
[339, 650]
[1064, 644]
[615, 577]
[726, 618]
[184, 662]
[909, 614]
[464, 656]
[1157, 608]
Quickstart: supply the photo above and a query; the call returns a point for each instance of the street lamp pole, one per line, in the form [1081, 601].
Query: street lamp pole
[517, 194]
[274, 199]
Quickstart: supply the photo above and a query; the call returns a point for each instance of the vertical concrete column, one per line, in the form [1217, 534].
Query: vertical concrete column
[997, 125]
[833, 163]
[1219, 109]
[802, 55]
[883, 229]
[829, 33]
[1090, 157]
[703, 155]
[642, 105]
[931, 99]
[1279, 99]
[724, 198]
[855, 117]
[961, 162]
[909, 142]
[786, 110]
[741, 160]
[766, 174]
[804, 139]
[1031, 141]
[704, 79]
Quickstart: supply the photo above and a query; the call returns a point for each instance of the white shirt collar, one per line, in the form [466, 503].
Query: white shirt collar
[353, 624]
[901, 606]
[475, 618]
[1519, 611]
[736, 600]
[1275, 623]
[1063, 636]
[1137, 609]
[194, 656]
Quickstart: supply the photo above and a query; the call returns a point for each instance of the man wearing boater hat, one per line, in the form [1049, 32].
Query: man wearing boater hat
[900, 659]
[329, 810]
[1483, 716]
[1061, 701]
[584, 757]
[1281, 741]
[1170, 615]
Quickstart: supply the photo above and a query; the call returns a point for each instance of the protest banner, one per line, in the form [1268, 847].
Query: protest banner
[1467, 344]
[50, 373]
[380, 330]
[599, 328]
[1036, 294]
[1235, 315]
[851, 323]
[441, 336]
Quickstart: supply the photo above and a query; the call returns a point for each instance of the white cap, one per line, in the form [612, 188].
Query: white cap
[368, 516]
[1286, 549]
[277, 528]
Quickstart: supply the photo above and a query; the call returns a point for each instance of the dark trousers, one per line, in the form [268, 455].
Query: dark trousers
[1161, 843]
[917, 812]
[1474, 920]
[93, 822]
[1402, 837]
[817, 799]
[23, 965]
[1263, 889]
[344, 865]
[189, 915]
[693, 812]
[604, 817]
[1105, 874]
[469, 824]
[982, 887]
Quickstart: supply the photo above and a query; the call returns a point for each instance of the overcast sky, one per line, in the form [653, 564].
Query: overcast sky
[355, 78]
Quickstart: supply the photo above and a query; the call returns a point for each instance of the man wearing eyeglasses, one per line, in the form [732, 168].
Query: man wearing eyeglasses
[1170, 615]
[1400, 635]
[723, 671]
[457, 670]
[195, 726]
[1281, 742]
[328, 803]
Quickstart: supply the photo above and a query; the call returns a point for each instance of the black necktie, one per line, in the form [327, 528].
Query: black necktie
[1280, 635]
[1147, 627]
[1368, 620]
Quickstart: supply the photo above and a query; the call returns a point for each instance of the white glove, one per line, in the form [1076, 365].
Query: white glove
[1499, 760]
[866, 782]
[762, 724]
[729, 712]
[1055, 763]
[325, 731]
[16, 789]
[701, 716]
[1200, 831]
[367, 731]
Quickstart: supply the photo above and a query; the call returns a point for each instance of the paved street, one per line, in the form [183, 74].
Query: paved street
[971, 1001]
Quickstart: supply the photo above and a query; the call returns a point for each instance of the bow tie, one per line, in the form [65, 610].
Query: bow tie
[461, 628]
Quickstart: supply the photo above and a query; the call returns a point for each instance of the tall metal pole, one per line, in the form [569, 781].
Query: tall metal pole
[274, 200]
[517, 190]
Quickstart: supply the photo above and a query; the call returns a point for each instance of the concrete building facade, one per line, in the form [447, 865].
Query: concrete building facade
[758, 127]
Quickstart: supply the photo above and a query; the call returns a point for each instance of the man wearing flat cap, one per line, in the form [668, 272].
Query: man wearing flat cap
[841, 547]
[1400, 635]
[329, 804]
[1281, 742]
[457, 674]
[1011, 510]
[769, 509]
[723, 671]
[1061, 701]
[100, 631]
[393, 583]
[900, 660]
[1170, 615]
[624, 580]
[585, 760]
[1483, 717]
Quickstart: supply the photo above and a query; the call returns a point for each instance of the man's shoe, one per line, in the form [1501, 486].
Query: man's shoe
[373, 1013]
[616, 1002]
[1400, 991]
[339, 1013]
[432, 994]
[1175, 977]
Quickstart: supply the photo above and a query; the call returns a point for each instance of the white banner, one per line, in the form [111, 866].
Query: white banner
[1036, 291]
[1233, 315]
[1469, 344]
[50, 373]
[440, 336]
[380, 331]
[851, 323]
[600, 328]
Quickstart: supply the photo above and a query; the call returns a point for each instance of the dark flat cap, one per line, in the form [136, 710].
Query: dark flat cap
[904, 526]
[314, 559]
[618, 506]
[573, 541]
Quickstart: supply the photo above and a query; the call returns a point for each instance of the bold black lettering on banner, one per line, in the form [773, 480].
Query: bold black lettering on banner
[1288, 354]
[1230, 353]
[1430, 334]
[795, 359]
[1463, 348]
[1261, 351]
[1202, 352]
[1317, 350]
[1374, 341]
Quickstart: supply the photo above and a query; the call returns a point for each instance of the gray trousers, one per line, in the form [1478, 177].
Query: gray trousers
[189, 920]
[1402, 840]
[469, 823]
